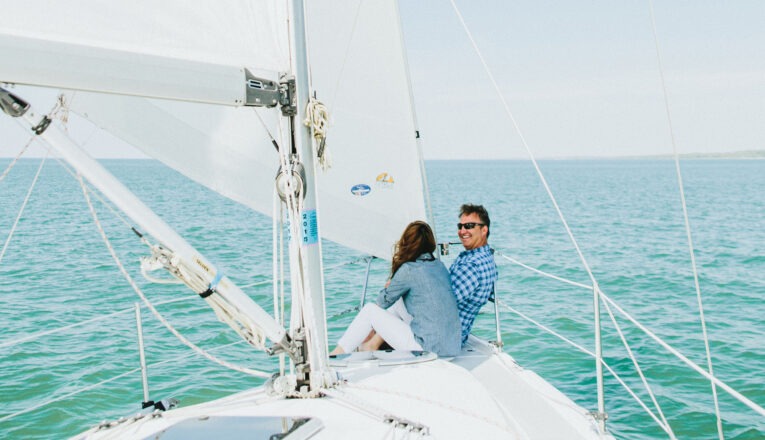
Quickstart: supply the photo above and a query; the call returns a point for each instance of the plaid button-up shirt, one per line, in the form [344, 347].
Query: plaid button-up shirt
[473, 275]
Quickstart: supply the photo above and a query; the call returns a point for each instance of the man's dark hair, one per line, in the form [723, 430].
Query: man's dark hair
[468, 209]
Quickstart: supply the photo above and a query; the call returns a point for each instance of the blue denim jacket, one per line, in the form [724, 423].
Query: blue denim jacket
[426, 288]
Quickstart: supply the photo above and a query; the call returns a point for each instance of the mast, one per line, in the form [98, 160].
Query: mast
[305, 249]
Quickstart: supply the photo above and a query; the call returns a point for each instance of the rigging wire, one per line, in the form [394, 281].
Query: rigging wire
[16, 159]
[665, 423]
[38, 335]
[639, 370]
[591, 354]
[277, 262]
[23, 206]
[545, 274]
[685, 217]
[151, 307]
[67, 395]
[523, 141]
[105, 381]
[741, 398]
[738, 396]
[543, 180]
[98, 196]
[347, 51]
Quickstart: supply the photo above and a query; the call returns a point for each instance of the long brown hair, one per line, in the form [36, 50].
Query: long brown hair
[416, 240]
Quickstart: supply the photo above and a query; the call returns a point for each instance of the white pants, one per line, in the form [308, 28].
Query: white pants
[391, 324]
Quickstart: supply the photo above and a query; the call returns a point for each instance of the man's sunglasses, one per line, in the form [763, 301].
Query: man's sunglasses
[468, 226]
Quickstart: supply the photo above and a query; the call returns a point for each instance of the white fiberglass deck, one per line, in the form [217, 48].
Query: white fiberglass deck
[479, 394]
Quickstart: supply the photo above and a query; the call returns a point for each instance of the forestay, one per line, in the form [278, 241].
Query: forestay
[375, 185]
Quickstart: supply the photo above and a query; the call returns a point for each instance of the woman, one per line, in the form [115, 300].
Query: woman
[430, 321]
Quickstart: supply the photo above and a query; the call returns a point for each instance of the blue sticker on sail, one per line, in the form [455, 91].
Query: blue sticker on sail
[310, 227]
[361, 189]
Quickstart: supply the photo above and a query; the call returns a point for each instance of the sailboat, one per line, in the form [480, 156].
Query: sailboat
[221, 95]
[234, 111]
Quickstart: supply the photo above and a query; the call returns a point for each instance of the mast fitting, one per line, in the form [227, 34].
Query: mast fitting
[290, 180]
[12, 105]
[260, 92]
[288, 96]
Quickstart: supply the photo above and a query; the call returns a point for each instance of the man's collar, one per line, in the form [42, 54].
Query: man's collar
[482, 249]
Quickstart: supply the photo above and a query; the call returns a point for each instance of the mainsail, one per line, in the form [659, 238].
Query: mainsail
[375, 184]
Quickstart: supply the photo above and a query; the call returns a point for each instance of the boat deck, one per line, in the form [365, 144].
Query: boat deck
[482, 393]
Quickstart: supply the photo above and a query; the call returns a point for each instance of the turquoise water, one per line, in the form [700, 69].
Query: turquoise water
[625, 215]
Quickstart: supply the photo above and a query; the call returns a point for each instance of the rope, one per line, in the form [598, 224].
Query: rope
[317, 117]
[225, 312]
[591, 354]
[301, 312]
[148, 303]
[639, 371]
[277, 262]
[65, 396]
[608, 301]
[104, 382]
[525, 144]
[687, 222]
[103, 201]
[350, 40]
[738, 396]
[16, 159]
[265, 127]
[336, 266]
[548, 275]
[78, 324]
[23, 205]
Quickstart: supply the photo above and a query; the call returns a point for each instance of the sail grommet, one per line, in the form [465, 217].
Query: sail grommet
[290, 180]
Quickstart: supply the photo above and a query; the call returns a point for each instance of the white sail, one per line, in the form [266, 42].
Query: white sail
[375, 186]
[373, 138]
[232, 32]
[373, 189]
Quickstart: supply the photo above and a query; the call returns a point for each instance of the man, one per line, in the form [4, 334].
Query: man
[473, 273]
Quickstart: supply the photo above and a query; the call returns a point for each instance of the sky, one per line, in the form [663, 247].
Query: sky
[580, 78]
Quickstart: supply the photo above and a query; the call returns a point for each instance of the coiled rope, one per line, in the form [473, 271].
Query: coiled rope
[317, 118]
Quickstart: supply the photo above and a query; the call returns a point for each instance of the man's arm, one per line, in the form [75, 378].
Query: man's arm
[465, 281]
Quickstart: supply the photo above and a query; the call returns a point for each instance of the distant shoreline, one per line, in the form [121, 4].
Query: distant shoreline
[736, 155]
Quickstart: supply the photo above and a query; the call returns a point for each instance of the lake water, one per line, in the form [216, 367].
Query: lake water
[626, 216]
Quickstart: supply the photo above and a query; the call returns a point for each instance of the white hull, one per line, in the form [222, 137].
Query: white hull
[482, 393]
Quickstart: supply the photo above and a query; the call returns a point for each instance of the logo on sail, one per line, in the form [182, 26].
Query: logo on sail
[361, 189]
[385, 180]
